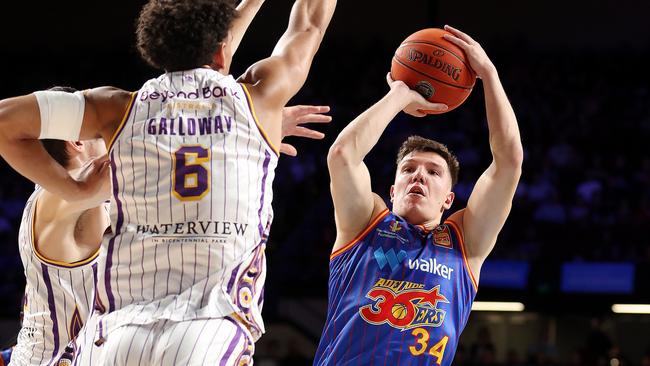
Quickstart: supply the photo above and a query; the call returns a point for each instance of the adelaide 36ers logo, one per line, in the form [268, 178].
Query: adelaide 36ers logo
[403, 305]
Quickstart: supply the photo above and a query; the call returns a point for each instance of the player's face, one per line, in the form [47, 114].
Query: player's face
[422, 189]
[95, 148]
[92, 149]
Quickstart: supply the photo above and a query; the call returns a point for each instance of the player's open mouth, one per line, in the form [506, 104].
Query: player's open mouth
[416, 190]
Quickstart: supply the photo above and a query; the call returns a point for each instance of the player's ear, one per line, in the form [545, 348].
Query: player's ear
[392, 192]
[448, 201]
[219, 58]
[74, 147]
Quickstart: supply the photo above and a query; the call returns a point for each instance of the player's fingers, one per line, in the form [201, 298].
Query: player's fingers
[389, 78]
[314, 118]
[305, 109]
[460, 34]
[434, 107]
[457, 41]
[416, 113]
[308, 133]
[288, 149]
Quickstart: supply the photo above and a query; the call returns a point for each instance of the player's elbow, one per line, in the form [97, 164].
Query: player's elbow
[339, 155]
[510, 160]
[517, 155]
[313, 15]
[509, 154]
[6, 130]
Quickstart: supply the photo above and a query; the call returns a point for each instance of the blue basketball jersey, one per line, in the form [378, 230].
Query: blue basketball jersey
[398, 295]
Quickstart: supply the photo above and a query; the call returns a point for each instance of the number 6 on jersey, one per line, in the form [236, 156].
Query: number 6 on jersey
[191, 180]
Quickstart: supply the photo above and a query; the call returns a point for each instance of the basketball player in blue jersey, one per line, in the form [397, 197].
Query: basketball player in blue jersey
[402, 282]
[192, 157]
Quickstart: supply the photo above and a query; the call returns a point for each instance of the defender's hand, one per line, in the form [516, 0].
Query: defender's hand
[295, 116]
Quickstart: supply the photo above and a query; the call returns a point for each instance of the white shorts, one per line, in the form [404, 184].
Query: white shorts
[222, 341]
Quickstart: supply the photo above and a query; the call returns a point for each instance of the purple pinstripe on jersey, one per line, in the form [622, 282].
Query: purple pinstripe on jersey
[231, 347]
[233, 275]
[52, 307]
[265, 168]
[111, 243]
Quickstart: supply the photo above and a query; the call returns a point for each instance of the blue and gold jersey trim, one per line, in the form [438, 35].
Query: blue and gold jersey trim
[461, 243]
[361, 235]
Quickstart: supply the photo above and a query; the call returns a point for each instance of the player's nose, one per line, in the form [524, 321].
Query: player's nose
[418, 176]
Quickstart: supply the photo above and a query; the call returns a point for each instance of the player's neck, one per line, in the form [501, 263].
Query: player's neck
[416, 219]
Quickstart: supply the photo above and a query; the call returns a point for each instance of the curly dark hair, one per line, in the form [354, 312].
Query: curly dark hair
[418, 143]
[174, 35]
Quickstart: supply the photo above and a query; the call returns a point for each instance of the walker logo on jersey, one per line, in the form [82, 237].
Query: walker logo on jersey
[403, 305]
[442, 236]
[389, 257]
[195, 228]
[432, 266]
[395, 226]
[205, 93]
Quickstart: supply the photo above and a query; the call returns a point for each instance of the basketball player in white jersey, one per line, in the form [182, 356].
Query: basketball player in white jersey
[192, 154]
[59, 245]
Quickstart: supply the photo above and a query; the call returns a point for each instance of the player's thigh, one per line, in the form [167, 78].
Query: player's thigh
[205, 342]
[131, 344]
[85, 350]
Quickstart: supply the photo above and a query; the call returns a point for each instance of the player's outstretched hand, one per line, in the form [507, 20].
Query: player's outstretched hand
[476, 56]
[294, 117]
[417, 105]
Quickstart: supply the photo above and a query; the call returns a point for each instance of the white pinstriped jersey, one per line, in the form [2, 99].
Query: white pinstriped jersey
[192, 174]
[58, 298]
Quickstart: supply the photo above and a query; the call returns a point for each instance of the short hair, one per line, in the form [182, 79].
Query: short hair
[418, 143]
[57, 148]
[175, 35]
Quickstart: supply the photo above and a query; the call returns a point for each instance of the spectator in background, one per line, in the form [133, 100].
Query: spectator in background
[483, 351]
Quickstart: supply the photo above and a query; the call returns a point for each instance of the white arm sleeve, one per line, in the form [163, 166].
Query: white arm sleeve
[61, 114]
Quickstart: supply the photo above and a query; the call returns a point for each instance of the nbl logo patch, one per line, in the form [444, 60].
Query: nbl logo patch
[442, 236]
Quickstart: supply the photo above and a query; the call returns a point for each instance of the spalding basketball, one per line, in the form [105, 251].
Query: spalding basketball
[434, 67]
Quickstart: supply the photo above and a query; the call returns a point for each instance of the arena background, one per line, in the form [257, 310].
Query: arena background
[577, 239]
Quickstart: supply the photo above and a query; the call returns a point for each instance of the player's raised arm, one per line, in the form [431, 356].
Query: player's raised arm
[58, 115]
[354, 202]
[276, 79]
[246, 12]
[490, 202]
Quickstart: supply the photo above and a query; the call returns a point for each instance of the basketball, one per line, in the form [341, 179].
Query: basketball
[434, 67]
[399, 311]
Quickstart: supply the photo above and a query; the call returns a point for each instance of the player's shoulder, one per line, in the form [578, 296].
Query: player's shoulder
[109, 97]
